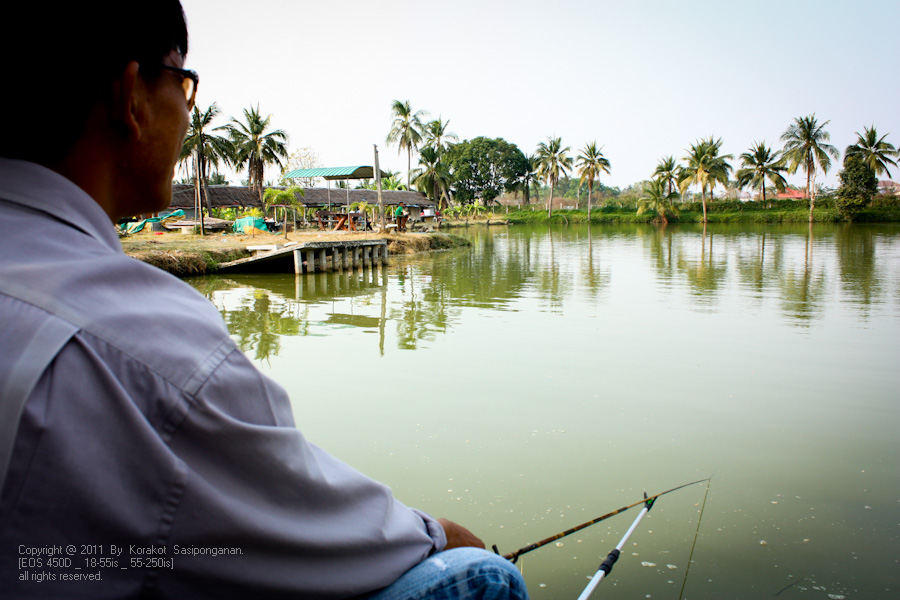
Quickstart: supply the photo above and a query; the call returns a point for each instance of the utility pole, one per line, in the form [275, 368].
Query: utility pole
[378, 187]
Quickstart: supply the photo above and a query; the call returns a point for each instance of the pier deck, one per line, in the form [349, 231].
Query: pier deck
[309, 257]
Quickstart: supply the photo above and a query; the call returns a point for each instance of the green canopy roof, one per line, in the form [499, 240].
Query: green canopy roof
[360, 172]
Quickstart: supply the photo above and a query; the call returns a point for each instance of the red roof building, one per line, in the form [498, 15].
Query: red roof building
[792, 195]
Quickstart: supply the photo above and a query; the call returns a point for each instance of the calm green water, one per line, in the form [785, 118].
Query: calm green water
[547, 376]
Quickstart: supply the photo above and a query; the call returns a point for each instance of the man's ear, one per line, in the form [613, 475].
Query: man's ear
[129, 109]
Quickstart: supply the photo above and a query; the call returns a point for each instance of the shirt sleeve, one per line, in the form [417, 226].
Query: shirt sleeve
[300, 522]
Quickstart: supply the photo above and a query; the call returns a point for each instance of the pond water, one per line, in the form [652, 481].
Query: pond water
[546, 376]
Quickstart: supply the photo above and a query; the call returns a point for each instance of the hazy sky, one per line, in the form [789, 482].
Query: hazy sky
[644, 78]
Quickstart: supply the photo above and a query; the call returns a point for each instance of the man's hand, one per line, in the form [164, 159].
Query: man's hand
[458, 536]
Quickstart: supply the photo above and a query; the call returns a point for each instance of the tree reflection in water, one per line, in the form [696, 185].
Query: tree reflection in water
[418, 299]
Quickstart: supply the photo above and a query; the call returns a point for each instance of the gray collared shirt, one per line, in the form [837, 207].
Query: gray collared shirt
[152, 435]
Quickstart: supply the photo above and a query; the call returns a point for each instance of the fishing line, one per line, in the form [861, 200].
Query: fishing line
[694, 545]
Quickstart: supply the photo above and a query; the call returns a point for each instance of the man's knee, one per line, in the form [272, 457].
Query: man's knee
[486, 575]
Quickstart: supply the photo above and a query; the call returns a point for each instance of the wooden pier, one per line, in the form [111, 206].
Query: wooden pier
[311, 257]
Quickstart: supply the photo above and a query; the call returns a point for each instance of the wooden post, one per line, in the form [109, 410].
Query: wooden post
[378, 187]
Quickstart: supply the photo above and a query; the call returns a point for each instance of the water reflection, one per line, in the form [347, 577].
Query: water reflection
[416, 300]
[544, 375]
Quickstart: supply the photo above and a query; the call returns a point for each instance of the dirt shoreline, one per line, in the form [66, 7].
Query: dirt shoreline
[187, 255]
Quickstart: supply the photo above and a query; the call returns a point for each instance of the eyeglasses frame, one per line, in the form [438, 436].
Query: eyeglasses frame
[187, 74]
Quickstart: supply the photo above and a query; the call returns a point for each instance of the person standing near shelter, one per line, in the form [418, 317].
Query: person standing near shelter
[159, 464]
[400, 216]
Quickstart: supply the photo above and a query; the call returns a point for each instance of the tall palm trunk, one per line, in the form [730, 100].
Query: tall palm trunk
[703, 200]
[204, 181]
[197, 179]
[550, 202]
[408, 167]
[810, 177]
[590, 192]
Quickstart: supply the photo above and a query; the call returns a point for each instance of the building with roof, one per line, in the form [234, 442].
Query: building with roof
[242, 197]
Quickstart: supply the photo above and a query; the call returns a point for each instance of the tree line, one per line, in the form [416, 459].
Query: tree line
[482, 168]
[454, 172]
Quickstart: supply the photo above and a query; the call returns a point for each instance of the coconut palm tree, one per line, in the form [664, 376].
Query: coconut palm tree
[874, 151]
[669, 171]
[657, 199]
[554, 162]
[704, 167]
[760, 163]
[433, 177]
[591, 163]
[436, 135]
[719, 167]
[406, 131]
[255, 147]
[392, 182]
[805, 146]
[203, 148]
[696, 171]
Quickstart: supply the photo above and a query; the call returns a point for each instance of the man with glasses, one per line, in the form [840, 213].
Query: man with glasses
[135, 461]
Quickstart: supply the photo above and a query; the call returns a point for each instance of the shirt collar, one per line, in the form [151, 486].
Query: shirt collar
[37, 187]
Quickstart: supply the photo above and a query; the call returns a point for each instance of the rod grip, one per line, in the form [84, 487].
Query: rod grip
[607, 565]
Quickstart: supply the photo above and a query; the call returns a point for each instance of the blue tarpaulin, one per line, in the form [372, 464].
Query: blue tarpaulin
[244, 223]
[137, 226]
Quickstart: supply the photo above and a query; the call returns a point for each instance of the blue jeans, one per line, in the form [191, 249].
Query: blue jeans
[458, 574]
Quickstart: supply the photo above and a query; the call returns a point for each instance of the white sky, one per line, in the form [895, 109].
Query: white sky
[645, 78]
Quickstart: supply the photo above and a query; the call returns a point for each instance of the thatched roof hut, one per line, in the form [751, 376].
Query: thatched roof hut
[226, 196]
[220, 196]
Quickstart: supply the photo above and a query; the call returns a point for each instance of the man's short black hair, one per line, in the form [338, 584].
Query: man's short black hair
[60, 56]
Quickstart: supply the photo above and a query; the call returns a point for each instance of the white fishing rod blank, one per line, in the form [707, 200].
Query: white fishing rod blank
[607, 565]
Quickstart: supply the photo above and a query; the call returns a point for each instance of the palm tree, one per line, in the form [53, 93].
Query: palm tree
[874, 151]
[433, 178]
[804, 146]
[591, 163]
[255, 148]
[760, 163]
[696, 171]
[392, 182]
[704, 167]
[203, 148]
[437, 136]
[657, 199]
[406, 131]
[669, 171]
[554, 162]
[719, 168]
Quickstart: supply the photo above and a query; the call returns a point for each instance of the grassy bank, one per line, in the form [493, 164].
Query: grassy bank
[186, 255]
[717, 212]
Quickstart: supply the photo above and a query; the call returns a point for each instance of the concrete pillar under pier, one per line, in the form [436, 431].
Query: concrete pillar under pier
[367, 256]
[298, 262]
[310, 261]
[345, 257]
[323, 259]
[384, 254]
[356, 258]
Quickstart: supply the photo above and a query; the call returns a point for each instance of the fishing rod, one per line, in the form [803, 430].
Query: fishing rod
[514, 556]
[611, 558]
